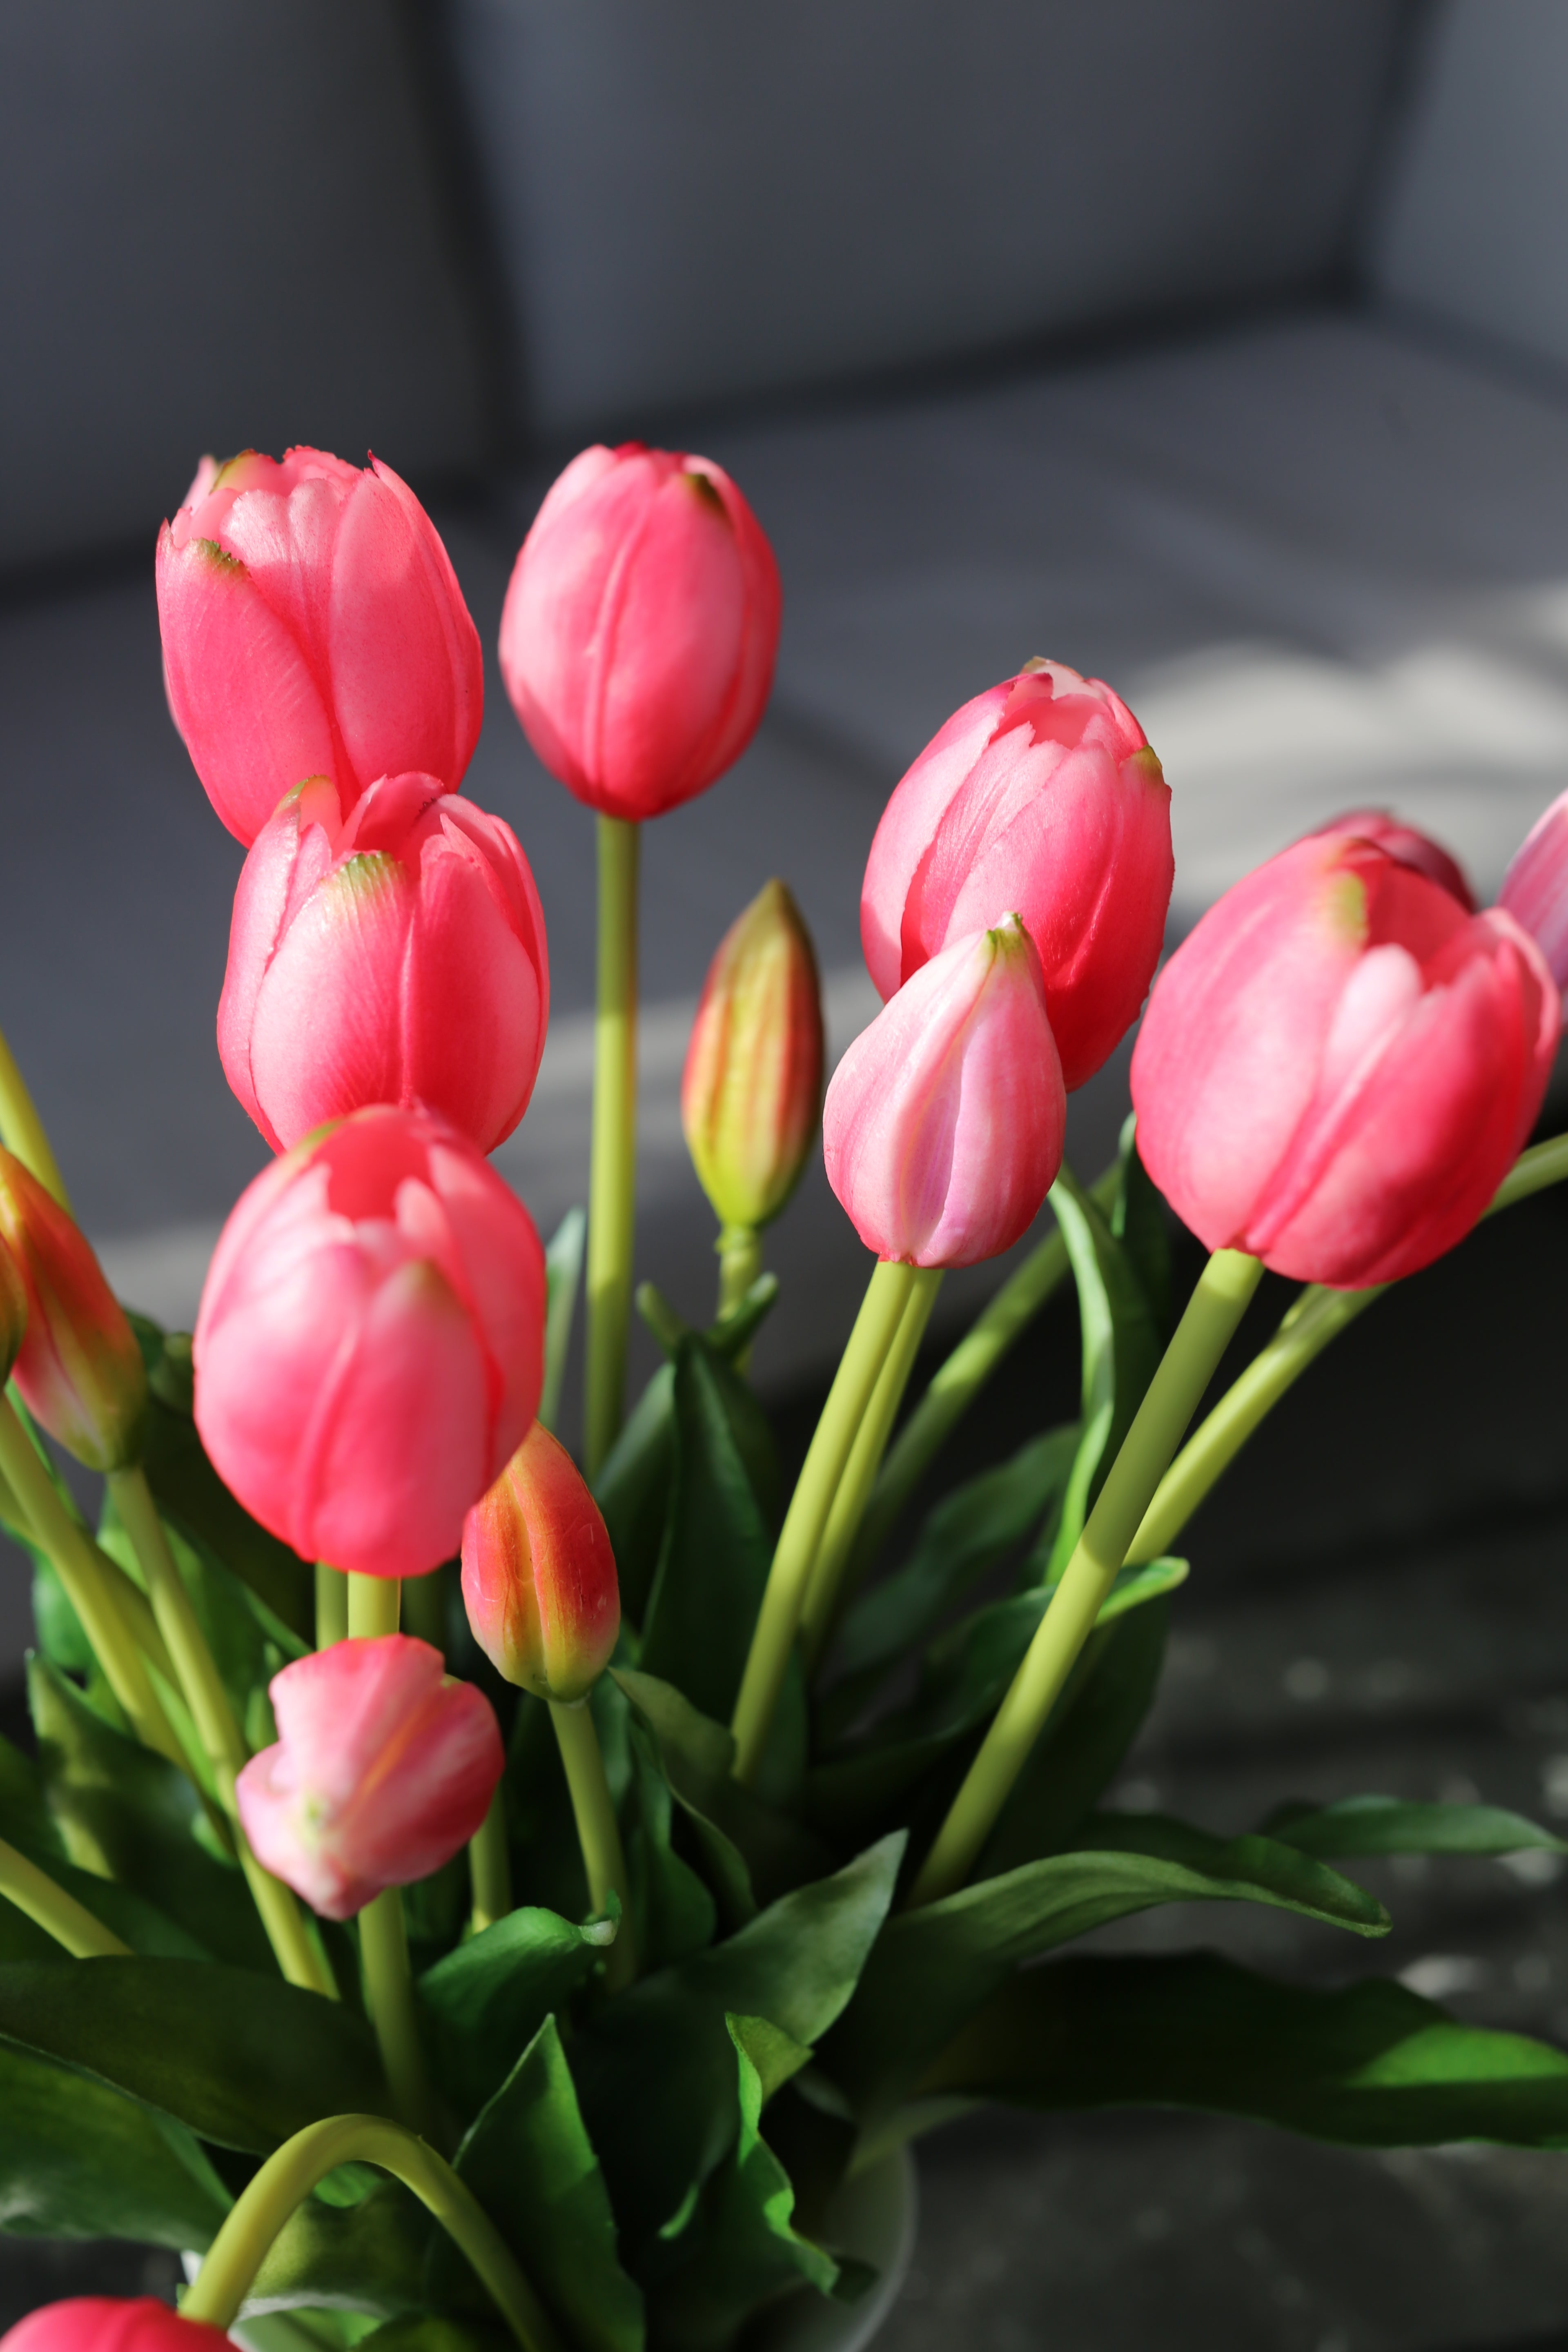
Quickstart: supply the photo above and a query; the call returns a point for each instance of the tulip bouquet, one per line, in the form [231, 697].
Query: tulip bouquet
[460, 1891]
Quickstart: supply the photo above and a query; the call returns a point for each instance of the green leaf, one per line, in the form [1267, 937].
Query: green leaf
[935, 1967]
[80, 2161]
[366, 2257]
[562, 1273]
[136, 1922]
[245, 2061]
[632, 1490]
[531, 2164]
[428, 2331]
[487, 2000]
[673, 1911]
[1139, 1220]
[1366, 1825]
[1372, 2065]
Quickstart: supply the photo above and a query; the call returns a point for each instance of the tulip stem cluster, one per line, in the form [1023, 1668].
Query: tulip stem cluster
[592, 1810]
[1205, 1329]
[612, 1183]
[22, 1129]
[60, 1914]
[289, 2176]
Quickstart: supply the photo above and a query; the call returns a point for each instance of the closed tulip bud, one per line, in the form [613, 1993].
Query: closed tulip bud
[370, 1347]
[539, 1575]
[13, 1311]
[1535, 887]
[639, 630]
[105, 2323]
[1041, 796]
[312, 626]
[383, 1771]
[1417, 850]
[1338, 1066]
[393, 953]
[943, 1128]
[77, 1366]
[751, 1094]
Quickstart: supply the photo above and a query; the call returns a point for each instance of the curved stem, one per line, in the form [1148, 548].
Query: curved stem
[288, 2177]
[612, 1185]
[876, 1326]
[597, 1835]
[23, 1129]
[1213, 1312]
[60, 1914]
[490, 1868]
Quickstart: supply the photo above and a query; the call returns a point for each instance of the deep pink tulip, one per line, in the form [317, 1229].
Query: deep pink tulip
[383, 1771]
[943, 1128]
[78, 1366]
[312, 626]
[1337, 1068]
[639, 630]
[370, 1346]
[1039, 796]
[394, 955]
[1417, 850]
[539, 1575]
[110, 2323]
[1535, 887]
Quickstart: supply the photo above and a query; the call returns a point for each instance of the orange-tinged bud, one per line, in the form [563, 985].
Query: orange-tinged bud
[13, 1312]
[751, 1095]
[78, 1365]
[539, 1575]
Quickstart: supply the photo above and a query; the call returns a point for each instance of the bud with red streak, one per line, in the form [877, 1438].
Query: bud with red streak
[369, 1350]
[751, 1094]
[944, 1124]
[1337, 1068]
[640, 627]
[383, 1769]
[394, 952]
[539, 1575]
[78, 1366]
[312, 626]
[1535, 887]
[1041, 795]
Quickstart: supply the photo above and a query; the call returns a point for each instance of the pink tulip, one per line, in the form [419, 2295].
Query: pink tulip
[1337, 1068]
[312, 626]
[539, 1575]
[1417, 850]
[1535, 887]
[1039, 796]
[394, 955]
[943, 1128]
[639, 630]
[78, 1366]
[105, 2323]
[369, 1351]
[383, 1771]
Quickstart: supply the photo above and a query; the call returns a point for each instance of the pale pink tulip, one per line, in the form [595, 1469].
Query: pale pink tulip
[639, 630]
[369, 1351]
[539, 1575]
[78, 1366]
[1417, 850]
[1535, 887]
[312, 626]
[943, 1128]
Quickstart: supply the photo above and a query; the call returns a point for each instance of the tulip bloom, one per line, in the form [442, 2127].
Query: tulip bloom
[393, 954]
[312, 626]
[370, 1347]
[78, 1366]
[639, 630]
[106, 2322]
[383, 1771]
[1041, 795]
[943, 1128]
[539, 1575]
[751, 1093]
[1535, 887]
[1337, 1068]
[1417, 850]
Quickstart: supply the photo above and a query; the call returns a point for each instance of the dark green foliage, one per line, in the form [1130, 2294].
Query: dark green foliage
[487, 2000]
[77, 2160]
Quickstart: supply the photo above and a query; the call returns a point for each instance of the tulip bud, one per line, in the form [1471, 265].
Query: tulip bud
[1535, 887]
[539, 1575]
[370, 1347]
[1338, 1066]
[312, 626]
[105, 2323]
[943, 1128]
[639, 630]
[383, 1771]
[1417, 850]
[396, 954]
[78, 1366]
[1042, 795]
[13, 1311]
[751, 1094]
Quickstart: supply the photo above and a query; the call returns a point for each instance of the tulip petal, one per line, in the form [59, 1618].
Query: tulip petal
[322, 1041]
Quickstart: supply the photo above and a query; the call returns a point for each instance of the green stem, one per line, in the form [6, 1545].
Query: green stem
[201, 1686]
[375, 1603]
[740, 1249]
[389, 2000]
[611, 1188]
[332, 1605]
[830, 1587]
[773, 1638]
[490, 1868]
[287, 2178]
[60, 1914]
[1213, 1312]
[597, 1833]
[22, 1130]
[425, 1609]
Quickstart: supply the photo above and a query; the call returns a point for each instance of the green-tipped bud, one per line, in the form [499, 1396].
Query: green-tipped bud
[77, 1363]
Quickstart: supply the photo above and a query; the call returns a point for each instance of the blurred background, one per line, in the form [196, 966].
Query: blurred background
[1219, 349]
